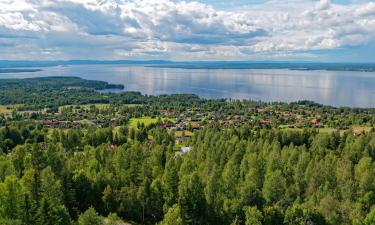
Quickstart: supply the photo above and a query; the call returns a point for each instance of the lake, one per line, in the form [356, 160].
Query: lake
[337, 88]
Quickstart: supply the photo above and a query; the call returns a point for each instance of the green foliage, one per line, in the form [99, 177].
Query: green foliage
[225, 179]
[90, 217]
[253, 216]
[172, 217]
[370, 218]
[11, 194]
[191, 200]
[300, 215]
[274, 187]
[237, 173]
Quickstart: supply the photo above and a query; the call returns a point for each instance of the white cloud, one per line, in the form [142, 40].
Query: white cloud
[366, 10]
[323, 5]
[177, 30]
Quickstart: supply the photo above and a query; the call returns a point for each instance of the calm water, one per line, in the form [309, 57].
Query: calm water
[356, 89]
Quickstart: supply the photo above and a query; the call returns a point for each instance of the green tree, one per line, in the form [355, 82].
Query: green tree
[274, 187]
[109, 199]
[48, 214]
[370, 218]
[11, 194]
[51, 187]
[113, 219]
[173, 216]
[170, 182]
[300, 215]
[90, 217]
[253, 216]
[191, 199]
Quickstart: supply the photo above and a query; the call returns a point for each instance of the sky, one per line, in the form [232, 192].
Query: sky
[254, 30]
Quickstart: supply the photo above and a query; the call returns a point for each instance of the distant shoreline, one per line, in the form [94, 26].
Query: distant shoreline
[19, 70]
[255, 66]
[21, 66]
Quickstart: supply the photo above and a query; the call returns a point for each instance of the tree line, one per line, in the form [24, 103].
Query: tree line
[231, 176]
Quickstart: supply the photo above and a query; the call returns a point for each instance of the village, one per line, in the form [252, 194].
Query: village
[182, 123]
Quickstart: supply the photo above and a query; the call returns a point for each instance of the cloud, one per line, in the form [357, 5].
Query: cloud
[116, 29]
[320, 27]
[323, 5]
[366, 10]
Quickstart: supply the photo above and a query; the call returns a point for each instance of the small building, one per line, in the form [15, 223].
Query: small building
[195, 126]
[185, 150]
[168, 124]
[51, 123]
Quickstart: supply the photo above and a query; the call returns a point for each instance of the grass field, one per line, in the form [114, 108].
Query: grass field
[86, 106]
[6, 109]
[133, 105]
[327, 130]
[360, 129]
[99, 106]
[145, 120]
[187, 133]
[356, 129]
[321, 130]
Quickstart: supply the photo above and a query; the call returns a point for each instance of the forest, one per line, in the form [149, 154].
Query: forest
[243, 162]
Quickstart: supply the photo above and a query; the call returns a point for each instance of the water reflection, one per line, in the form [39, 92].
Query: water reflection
[327, 87]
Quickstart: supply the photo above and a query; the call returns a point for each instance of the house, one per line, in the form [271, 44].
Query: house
[195, 126]
[51, 123]
[168, 124]
[264, 122]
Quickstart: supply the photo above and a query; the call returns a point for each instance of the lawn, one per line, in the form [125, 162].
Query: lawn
[145, 120]
[187, 133]
[326, 130]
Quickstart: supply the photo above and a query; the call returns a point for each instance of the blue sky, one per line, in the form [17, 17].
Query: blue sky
[294, 30]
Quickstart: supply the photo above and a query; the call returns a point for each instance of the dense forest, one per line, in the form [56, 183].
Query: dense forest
[242, 165]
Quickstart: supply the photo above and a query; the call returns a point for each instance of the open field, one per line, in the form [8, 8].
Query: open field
[99, 106]
[356, 129]
[185, 132]
[132, 105]
[145, 120]
[321, 130]
[6, 109]
[85, 106]
[360, 129]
